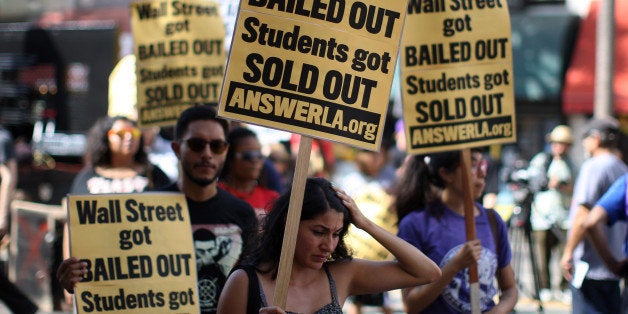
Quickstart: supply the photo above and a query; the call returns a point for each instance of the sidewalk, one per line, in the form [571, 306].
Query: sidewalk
[525, 305]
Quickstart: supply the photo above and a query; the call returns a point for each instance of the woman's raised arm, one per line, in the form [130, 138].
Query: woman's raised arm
[410, 268]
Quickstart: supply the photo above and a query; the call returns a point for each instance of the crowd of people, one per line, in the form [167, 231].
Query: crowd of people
[227, 181]
[371, 222]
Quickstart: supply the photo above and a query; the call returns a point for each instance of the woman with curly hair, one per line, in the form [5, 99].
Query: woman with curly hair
[115, 161]
[323, 272]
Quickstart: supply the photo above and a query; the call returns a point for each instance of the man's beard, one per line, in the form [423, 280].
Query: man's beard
[200, 181]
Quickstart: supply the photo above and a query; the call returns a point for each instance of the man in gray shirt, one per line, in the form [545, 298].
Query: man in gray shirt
[599, 290]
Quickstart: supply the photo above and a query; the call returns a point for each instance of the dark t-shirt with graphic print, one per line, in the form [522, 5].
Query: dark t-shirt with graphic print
[223, 227]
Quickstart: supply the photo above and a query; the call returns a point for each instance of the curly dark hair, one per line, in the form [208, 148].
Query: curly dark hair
[98, 152]
[319, 196]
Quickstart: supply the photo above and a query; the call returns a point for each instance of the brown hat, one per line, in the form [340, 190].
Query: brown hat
[560, 134]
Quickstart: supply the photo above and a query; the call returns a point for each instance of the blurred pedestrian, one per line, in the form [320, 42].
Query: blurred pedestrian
[551, 177]
[278, 171]
[282, 162]
[610, 208]
[116, 161]
[431, 210]
[597, 290]
[242, 171]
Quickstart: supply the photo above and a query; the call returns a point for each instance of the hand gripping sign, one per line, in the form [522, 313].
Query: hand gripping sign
[323, 69]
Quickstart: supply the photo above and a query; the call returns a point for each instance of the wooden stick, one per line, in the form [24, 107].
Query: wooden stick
[292, 222]
[469, 218]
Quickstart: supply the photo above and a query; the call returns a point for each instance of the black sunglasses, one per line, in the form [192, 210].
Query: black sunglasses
[249, 155]
[198, 145]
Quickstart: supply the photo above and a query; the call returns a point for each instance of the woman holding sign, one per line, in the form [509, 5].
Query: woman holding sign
[115, 162]
[430, 207]
[323, 272]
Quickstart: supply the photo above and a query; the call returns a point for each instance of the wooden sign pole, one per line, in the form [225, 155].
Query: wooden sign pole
[469, 217]
[292, 221]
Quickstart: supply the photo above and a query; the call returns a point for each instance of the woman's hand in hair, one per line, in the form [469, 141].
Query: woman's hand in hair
[357, 218]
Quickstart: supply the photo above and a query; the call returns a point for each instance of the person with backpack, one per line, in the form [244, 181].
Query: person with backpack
[431, 212]
[551, 176]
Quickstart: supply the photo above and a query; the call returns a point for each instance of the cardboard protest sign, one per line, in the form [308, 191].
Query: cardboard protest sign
[180, 57]
[322, 69]
[139, 252]
[456, 74]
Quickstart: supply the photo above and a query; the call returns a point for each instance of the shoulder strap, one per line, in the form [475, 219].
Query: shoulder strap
[546, 164]
[332, 286]
[256, 298]
[493, 222]
[548, 160]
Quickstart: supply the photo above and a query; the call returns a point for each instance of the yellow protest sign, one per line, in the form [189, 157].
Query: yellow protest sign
[456, 73]
[180, 57]
[322, 69]
[139, 252]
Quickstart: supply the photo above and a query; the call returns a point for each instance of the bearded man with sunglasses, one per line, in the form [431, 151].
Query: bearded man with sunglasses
[201, 147]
